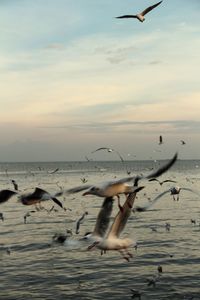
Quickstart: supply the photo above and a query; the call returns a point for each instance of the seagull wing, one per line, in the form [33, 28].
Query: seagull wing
[169, 180]
[163, 169]
[191, 190]
[123, 180]
[38, 193]
[126, 16]
[5, 195]
[76, 189]
[78, 223]
[103, 218]
[148, 205]
[56, 170]
[102, 148]
[57, 202]
[123, 215]
[153, 179]
[148, 9]
[121, 158]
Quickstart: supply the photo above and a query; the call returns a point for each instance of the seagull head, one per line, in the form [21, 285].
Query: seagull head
[93, 191]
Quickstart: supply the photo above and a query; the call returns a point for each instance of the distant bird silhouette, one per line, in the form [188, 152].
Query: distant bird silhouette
[54, 171]
[141, 15]
[183, 142]
[167, 226]
[1, 216]
[80, 220]
[109, 150]
[136, 294]
[160, 269]
[61, 238]
[193, 221]
[15, 185]
[84, 180]
[161, 182]
[160, 140]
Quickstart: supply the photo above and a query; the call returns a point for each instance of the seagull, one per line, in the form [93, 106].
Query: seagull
[193, 221]
[112, 240]
[80, 220]
[54, 171]
[84, 180]
[26, 216]
[39, 195]
[5, 195]
[61, 238]
[1, 216]
[160, 269]
[173, 191]
[122, 186]
[102, 221]
[161, 182]
[136, 294]
[119, 155]
[183, 142]
[109, 150]
[141, 15]
[15, 185]
[160, 140]
[167, 226]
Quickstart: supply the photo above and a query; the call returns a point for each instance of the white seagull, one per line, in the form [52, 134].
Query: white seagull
[109, 150]
[112, 240]
[141, 15]
[102, 221]
[122, 186]
[173, 191]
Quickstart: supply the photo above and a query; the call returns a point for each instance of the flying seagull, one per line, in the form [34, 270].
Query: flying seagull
[112, 240]
[39, 195]
[109, 150]
[102, 221]
[14, 184]
[173, 191]
[80, 220]
[141, 15]
[122, 186]
[160, 140]
[161, 182]
[118, 154]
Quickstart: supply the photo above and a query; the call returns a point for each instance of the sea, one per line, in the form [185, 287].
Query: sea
[34, 266]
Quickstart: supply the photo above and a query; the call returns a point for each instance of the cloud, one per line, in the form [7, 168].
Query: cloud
[147, 127]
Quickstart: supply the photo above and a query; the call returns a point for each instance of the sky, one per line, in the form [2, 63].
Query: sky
[74, 78]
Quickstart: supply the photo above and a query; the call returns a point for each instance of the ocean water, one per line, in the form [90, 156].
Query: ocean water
[32, 266]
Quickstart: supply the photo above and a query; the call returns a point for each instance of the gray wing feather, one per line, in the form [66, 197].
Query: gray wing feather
[103, 218]
[148, 9]
[77, 189]
[147, 206]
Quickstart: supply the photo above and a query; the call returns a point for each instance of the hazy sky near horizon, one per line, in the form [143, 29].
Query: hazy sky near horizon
[73, 78]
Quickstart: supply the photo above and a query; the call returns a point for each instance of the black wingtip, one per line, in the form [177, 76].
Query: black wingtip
[55, 200]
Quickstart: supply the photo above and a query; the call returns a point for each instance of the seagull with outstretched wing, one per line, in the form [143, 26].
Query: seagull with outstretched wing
[140, 16]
